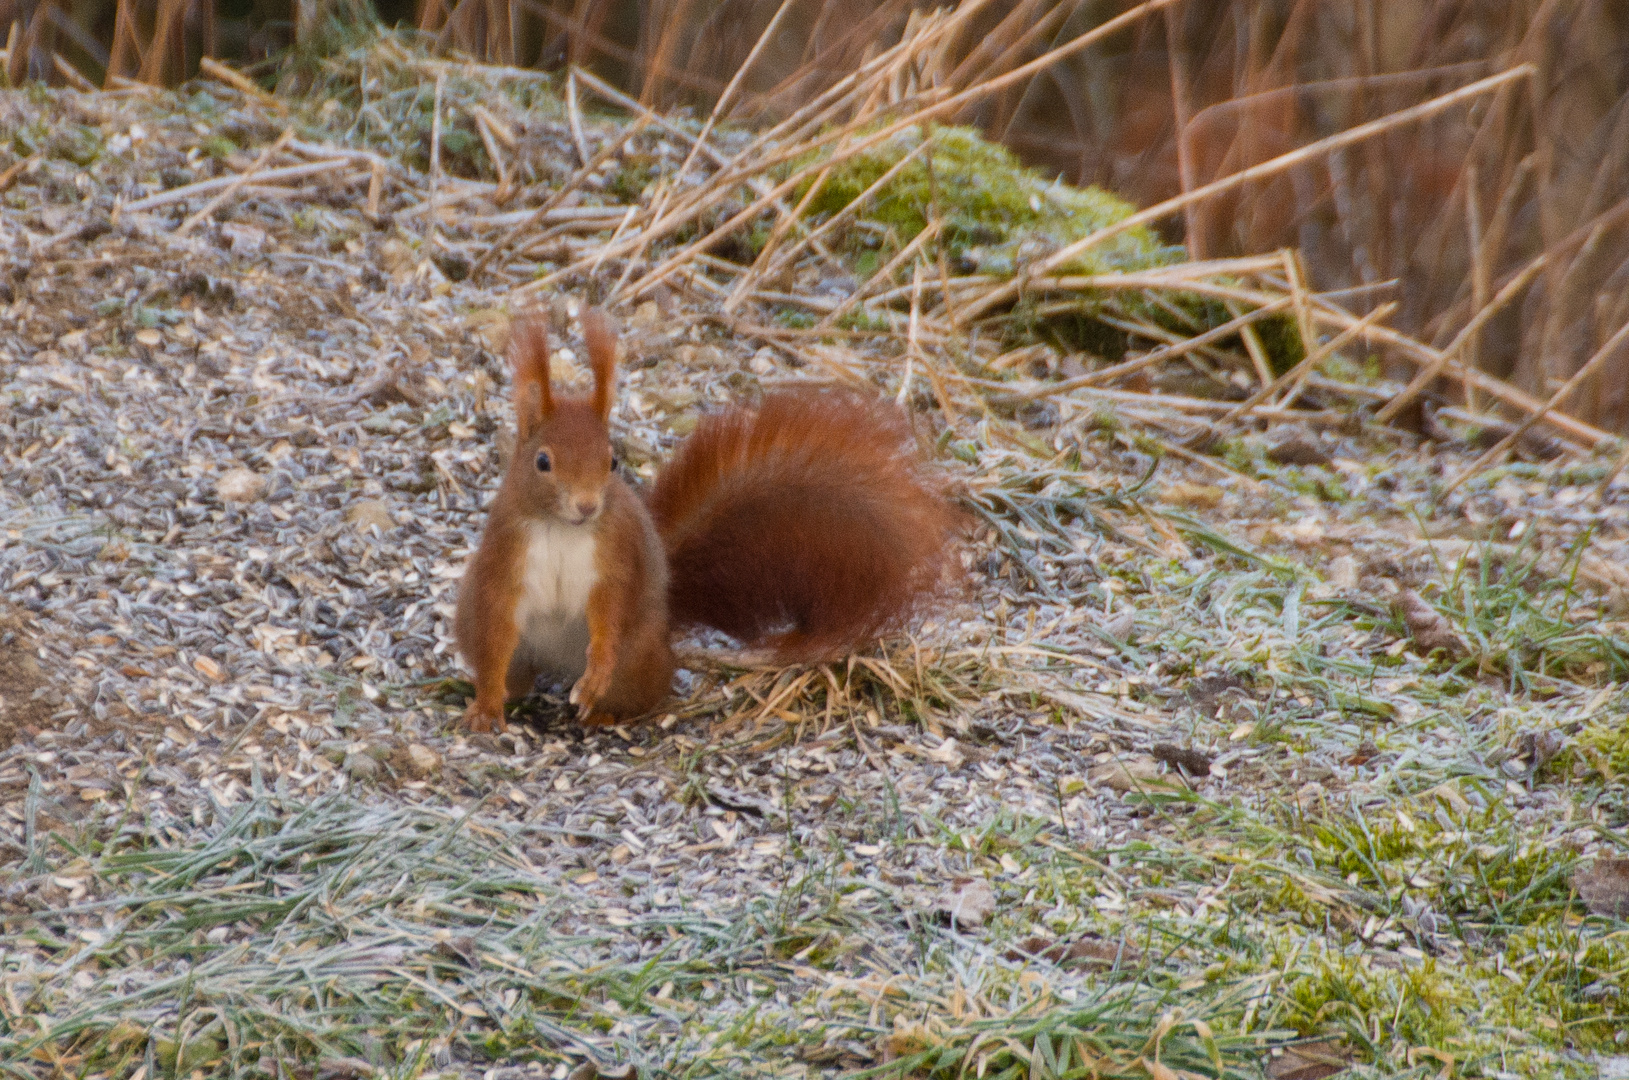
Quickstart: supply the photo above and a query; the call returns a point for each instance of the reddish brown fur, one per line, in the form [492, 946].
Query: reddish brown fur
[629, 663]
[805, 526]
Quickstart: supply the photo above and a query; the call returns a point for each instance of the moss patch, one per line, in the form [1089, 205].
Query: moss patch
[998, 213]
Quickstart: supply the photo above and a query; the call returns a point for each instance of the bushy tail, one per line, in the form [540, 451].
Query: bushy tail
[805, 525]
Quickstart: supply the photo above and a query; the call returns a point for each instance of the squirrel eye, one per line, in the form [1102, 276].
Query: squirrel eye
[544, 462]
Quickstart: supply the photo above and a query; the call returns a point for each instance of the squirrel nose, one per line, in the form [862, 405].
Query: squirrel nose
[586, 508]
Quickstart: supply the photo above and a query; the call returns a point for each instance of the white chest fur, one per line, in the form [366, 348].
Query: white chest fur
[556, 576]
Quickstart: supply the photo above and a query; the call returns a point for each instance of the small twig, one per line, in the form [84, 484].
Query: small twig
[1497, 450]
[575, 116]
[485, 125]
[176, 194]
[376, 183]
[886, 274]
[1309, 362]
[238, 81]
[435, 148]
[71, 73]
[1435, 369]
[1481, 283]
[238, 181]
[910, 336]
[1256, 350]
[13, 171]
[1072, 252]
[1295, 276]
[1158, 356]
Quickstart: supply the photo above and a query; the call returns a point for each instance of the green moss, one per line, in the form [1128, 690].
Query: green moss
[77, 143]
[218, 146]
[630, 181]
[1281, 337]
[28, 138]
[794, 318]
[1424, 1006]
[998, 213]
[1604, 747]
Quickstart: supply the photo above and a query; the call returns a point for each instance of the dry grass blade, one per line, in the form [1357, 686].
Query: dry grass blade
[1499, 449]
[1283, 162]
[242, 83]
[886, 274]
[607, 150]
[1433, 370]
[238, 181]
[1310, 363]
[575, 115]
[1158, 356]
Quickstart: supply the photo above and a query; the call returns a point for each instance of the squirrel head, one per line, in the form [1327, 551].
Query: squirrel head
[563, 457]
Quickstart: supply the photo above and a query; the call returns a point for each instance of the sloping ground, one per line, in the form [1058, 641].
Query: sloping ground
[1217, 758]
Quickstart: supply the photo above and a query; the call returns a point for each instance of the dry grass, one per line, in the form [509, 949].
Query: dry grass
[1438, 215]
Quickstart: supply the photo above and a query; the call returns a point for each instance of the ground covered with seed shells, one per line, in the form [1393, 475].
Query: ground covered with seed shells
[1242, 765]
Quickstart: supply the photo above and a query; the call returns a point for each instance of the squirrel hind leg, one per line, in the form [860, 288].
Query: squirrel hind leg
[795, 647]
[521, 677]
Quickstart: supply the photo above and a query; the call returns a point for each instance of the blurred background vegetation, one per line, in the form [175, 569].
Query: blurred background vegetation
[1437, 216]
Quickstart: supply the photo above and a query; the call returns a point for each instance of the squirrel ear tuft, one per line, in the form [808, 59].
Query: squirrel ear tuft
[602, 357]
[529, 364]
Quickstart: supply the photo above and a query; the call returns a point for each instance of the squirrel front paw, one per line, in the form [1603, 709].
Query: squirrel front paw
[482, 716]
[590, 688]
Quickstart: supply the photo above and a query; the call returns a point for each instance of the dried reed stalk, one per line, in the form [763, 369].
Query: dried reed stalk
[1308, 364]
[1565, 391]
[1433, 370]
[1158, 356]
[237, 182]
[1072, 252]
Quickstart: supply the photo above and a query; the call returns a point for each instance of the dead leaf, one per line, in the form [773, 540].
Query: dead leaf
[240, 485]
[1090, 951]
[1136, 772]
[461, 949]
[1309, 1061]
[369, 512]
[1159, 1071]
[1604, 887]
[1183, 493]
[1297, 448]
[1539, 748]
[1343, 572]
[243, 239]
[415, 760]
[946, 754]
[1218, 695]
[590, 1070]
[966, 903]
[1122, 626]
[904, 1042]
[344, 1068]
[1429, 629]
[1191, 761]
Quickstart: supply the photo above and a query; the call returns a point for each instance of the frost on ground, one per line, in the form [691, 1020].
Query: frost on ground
[1224, 765]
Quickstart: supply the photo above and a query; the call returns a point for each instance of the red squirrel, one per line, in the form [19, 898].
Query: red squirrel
[803, 526]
